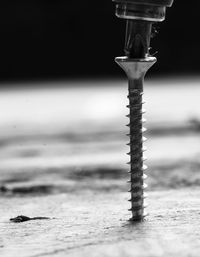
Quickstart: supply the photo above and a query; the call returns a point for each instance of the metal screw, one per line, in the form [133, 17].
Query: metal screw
[135, 70]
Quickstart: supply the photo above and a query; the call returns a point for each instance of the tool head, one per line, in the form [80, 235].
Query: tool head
[148, 10]
[167, 3]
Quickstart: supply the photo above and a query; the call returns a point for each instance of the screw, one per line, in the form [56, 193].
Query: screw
[135, 70]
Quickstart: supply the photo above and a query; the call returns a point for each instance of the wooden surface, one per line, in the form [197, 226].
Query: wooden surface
[95, 224]
[64, 159]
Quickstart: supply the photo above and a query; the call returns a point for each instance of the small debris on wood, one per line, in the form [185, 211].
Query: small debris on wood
[22, 218]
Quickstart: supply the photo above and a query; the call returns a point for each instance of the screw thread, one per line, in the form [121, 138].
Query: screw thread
[136, 155]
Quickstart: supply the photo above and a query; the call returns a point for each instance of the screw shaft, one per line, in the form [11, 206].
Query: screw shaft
[136, 154]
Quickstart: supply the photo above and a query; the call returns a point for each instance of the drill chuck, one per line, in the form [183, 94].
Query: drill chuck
[140, 15]
[147, 10]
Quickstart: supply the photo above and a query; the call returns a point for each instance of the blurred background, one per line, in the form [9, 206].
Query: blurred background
[64, 39]
[63, 98]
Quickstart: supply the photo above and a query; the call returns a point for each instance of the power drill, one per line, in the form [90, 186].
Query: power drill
[140, 16]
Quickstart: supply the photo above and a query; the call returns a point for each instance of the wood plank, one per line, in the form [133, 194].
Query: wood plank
[95, 224]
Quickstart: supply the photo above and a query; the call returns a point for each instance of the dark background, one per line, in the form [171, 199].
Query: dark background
[75, 39]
